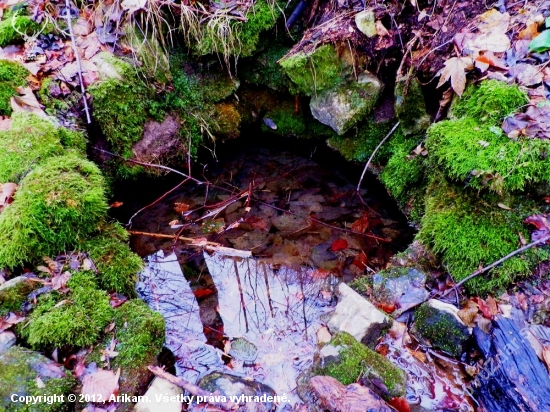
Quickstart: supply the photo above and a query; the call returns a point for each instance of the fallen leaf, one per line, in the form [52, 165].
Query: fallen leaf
[468, 312]
[26, 102]
[381, 30]
[361, 225]
[117, 299]
[541, 43]
[530, 31]
[455, 70]
[9, 320]
[101, 383]
[493, 21]
[339, 244]
[61, 280]
[181, 207]
[541, 224]
[361, 260]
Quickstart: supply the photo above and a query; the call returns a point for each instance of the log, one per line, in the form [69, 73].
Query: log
[191, 388]
[513, 378]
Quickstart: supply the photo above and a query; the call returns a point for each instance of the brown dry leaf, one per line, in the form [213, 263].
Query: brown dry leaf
[100, 383]
[493, 21]
[27, 102]
[181, 207]
[455, 69]
[61, 280]
[530, 31]
[380, 29]
[9, 320]
[468, 313]
[492, 305]
[82, 27]
[361, 225]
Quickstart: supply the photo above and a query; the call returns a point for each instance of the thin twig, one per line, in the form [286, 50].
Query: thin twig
[498, 262]
[78, 63]
[373, 153]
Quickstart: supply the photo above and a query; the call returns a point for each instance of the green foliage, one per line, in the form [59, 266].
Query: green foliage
[441, 328]
[52, 104]
[467, 229]
[357, 361]
[229, 37]
[490, 102]
[77, 321]
[24, 24]
[263, 69]
[312, 73]
[410, 106]
[19, 369]
[469, 151]
[116, 263]
[30, 140]
[121, 105]
[12, 75]
[57, 206]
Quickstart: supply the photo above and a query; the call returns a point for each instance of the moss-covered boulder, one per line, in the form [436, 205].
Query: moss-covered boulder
[438, 323]
[116, 264]
[316, 71]
[30, 140]
[410, 107]
[12, 75]
[343, 107]
[76, 319]
[467, 229]
[14, 293]
[56, 207]
[27, 373]
[356, 361]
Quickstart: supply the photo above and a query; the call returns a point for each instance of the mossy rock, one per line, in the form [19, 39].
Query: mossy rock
[121, 103]
[19, 370]
[12, 75]
[288, 122]
[410, 106]
[263, 68]
[31, 139]
[441, 328]
[14, 293]
[489, 102]
[356, 361]
[117, 265]
[468, 229]
[76, 319]
[56, 207]
[139, 332]
[227, 120]
[319, 70]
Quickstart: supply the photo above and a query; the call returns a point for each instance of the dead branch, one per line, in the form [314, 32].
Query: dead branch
[394, 128]
[78, 63]
[191, 388]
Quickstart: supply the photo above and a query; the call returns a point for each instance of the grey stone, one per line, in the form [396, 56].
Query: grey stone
[344, 106]
[402, 287]
[7, 340]
[358, 317]
[365, 22]
[243, 350]
[164, 390]
[410, 106]
[329, 354]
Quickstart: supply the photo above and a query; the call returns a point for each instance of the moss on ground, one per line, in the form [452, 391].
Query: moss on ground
[467, 229]
[121, 106]
[12, 75]
[116, 263]
[19, 369]
[320, 70]
[227, 120]
[23, 23]
[76, 319]
[230, 37]
[410, 106]
[52, 104]
[357, 361]
[30, 140]
[441, 328]
[57, 206]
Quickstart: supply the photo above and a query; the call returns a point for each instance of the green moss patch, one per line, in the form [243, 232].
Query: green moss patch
[23, 23]
[116, 263]
[442, 329]
[320, 70]
[76, 319]
[30, 140]
[467, 229]
[57, 206]
[357, 361]
[14, 293]
[12, 75]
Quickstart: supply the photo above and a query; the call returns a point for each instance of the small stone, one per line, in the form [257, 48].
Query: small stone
[402, 287]
[358, 317]
[163, 389]
[7, 340]
[243, 350]
[329, 354]
[365, 22]
[323, 335]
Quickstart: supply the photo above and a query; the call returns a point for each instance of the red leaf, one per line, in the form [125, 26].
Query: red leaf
[116, 299]
[361, 260]
[339, 244]
[387, 307]
[361, 225]
[400, 404]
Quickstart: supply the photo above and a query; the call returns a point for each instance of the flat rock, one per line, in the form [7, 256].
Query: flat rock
[7, 340]
[402, 287]
[331, 395]
[358, 317]
[165, 390]
[365, 22]
[344, 106]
